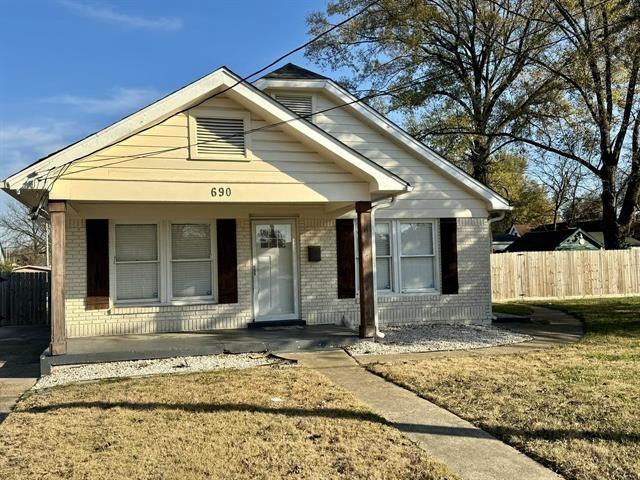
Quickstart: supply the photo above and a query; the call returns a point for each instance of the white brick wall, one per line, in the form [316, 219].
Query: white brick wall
[318, 289]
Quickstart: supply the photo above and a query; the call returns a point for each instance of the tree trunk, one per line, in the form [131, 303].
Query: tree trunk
[479, 159]
[611, 230]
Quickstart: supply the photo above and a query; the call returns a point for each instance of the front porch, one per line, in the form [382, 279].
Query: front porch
[167, 345]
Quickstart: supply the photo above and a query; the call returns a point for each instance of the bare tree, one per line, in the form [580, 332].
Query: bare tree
[24, 239]
[562, 179]
[473, 64]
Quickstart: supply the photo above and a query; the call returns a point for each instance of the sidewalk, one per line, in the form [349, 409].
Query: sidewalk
[466, 449]
[20, 348]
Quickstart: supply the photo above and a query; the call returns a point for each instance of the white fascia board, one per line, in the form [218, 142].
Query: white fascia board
[186, 98]
[385, 180]
[130, 125]
[495, 201]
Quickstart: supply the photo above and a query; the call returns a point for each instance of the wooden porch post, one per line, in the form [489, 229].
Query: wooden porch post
[365, 270]
[57, 209]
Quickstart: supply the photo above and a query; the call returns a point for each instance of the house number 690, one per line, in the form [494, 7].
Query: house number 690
[221, 192]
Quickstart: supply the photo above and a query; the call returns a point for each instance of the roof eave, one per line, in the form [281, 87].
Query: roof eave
[185, 98]
[495, 202]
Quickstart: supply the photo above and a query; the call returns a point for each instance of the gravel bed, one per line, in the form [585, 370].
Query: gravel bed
[65, 374]
[429, 338]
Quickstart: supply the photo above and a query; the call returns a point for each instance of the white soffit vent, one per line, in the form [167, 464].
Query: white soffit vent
[220, 136]
[300, 104]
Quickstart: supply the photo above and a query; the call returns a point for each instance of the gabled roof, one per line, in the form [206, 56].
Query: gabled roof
[382, 180]
[385, 125]
[548, 241]
[519, 229]
[291, 71]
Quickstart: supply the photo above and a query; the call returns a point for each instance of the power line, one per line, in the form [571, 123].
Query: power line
[126, 158]
[243, 79]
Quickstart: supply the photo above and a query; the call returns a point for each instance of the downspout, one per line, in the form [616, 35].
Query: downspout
[381, 204]
[500, 216]
[495, 219]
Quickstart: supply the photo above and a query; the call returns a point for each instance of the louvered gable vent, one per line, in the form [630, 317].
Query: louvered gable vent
[220, 136]
[297, 103]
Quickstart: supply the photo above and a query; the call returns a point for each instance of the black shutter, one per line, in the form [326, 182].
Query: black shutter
[449, 254]
[346, 259]
[97, 264]
[227, 261]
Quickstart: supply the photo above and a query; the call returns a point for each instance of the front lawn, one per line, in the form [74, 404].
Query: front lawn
[576, 408]
[264, 423]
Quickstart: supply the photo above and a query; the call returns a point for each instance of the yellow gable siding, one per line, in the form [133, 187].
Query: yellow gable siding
[155, 165]
[434, 194]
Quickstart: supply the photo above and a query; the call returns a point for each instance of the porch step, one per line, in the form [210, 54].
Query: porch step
[277, 323]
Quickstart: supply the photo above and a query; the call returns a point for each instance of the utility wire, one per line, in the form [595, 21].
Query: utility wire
[126, 158]
[241, 80]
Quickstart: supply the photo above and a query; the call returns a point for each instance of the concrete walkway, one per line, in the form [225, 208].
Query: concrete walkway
[466, 449]
[20, 348]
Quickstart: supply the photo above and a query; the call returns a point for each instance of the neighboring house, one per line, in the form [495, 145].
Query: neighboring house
[519, 229]
[32, 269]
[592, 227]
[570, 239]
[203, 212]
[501, 241]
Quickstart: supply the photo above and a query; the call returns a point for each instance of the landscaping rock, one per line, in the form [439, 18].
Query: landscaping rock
[429, 338]
[65, 374]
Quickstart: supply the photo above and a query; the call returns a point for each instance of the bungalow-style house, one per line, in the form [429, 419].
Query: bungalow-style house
[226, 203]
[549, 241]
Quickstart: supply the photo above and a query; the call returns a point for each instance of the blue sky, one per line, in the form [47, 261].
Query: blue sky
[71, 67]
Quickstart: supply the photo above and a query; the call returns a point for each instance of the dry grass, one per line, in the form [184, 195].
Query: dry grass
[266, 422]
[576, 408]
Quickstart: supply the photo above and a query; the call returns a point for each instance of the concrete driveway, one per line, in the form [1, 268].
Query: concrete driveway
[20, 349]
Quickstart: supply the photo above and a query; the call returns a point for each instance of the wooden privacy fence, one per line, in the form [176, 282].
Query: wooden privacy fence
[24, 298]
[523, 275]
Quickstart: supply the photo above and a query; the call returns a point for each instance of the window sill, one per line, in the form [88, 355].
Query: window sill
[124, 308]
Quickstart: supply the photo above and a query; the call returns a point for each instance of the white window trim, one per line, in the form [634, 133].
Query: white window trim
[113, 290]
[165, 294]
[396, 259]
[208, 112]
[391, 258]
[434, 255]
[212, 259]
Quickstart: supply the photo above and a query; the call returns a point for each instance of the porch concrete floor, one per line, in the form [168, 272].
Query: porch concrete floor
[166, 345]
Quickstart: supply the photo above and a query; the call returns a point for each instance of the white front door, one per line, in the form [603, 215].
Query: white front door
[274, 270]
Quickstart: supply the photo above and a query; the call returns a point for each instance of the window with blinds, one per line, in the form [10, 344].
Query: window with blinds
[191, 261]
[299, 104]
[220, 137]
[405, 256]
[417, 256]
[137, 262]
